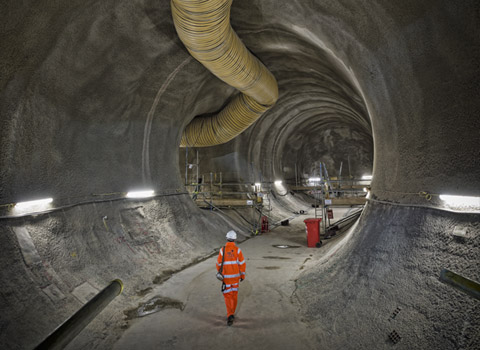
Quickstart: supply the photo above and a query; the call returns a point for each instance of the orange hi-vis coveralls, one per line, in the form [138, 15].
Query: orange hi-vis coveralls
[233, 269]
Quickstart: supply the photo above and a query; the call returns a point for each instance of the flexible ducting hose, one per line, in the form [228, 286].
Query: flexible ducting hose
[204, 28]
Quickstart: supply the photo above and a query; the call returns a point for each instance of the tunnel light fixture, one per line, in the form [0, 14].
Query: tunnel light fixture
[280, 188]
[367, 177]
[140, 194]
[39, 203]
[31, 207]
[460, 201]
[314, 181]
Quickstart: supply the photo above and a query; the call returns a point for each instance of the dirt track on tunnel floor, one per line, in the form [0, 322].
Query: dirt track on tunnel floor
[267, 314]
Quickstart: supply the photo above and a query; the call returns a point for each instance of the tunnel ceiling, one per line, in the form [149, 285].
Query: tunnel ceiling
[95, 95]
[320, 114]
[354, 75]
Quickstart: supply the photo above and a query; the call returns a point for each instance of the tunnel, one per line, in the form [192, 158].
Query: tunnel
[95, 98]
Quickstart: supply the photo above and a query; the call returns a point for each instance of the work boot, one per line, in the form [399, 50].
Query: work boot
[230, 320]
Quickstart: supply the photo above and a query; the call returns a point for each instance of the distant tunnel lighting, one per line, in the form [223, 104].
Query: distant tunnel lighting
[140, 194]
[461, 201]
[314, 179]
[37, 204]
[367, 177]
[280, 188]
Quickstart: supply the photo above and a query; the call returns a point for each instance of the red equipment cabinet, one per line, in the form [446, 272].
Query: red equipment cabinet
[264, 224]
[330, 213]
[312, 226]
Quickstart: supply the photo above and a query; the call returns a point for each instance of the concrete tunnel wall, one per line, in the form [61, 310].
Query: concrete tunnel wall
[93, 100]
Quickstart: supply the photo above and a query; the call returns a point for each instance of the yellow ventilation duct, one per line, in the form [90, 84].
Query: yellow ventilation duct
[204, 28]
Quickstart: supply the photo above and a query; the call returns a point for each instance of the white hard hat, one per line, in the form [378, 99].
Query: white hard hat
[231, 235]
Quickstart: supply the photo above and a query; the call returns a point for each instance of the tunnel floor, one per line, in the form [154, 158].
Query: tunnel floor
[268, 314]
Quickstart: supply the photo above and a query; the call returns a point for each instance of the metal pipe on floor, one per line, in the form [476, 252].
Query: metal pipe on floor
[69, 329]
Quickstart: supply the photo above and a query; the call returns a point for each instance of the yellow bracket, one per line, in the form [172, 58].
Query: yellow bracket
[426, 195]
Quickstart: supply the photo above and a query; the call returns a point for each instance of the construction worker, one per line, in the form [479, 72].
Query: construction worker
[233, 271]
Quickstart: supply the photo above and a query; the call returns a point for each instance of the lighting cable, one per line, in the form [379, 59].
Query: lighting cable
[411, 205]
[67, 206]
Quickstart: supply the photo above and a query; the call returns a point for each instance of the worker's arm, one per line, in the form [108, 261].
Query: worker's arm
[241, 264]
[219, 259]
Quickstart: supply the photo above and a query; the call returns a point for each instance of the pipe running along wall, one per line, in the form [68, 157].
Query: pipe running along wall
[204, 28]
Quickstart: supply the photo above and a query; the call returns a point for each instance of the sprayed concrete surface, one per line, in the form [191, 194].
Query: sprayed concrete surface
[60, 260]
[389, 282]
[94, 96]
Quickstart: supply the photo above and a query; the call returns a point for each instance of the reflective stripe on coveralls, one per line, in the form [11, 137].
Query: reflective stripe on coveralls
[231, 288]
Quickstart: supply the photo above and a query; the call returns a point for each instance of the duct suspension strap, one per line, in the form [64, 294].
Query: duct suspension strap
[204, 28]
